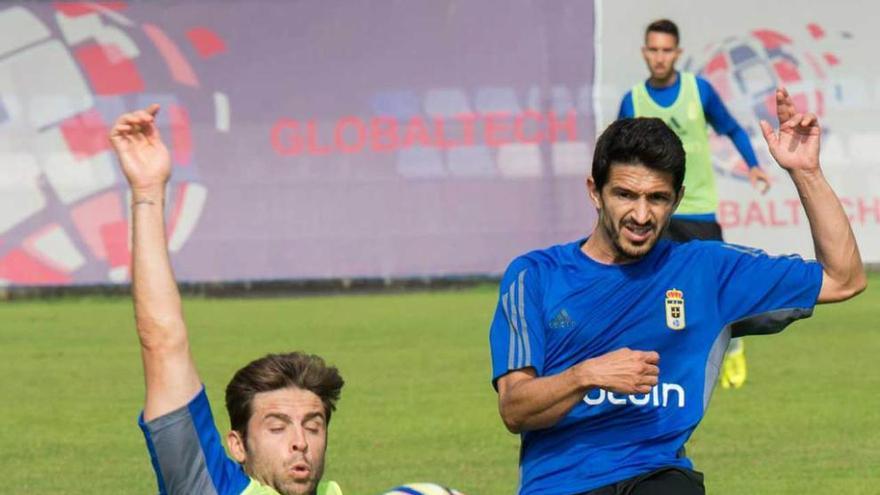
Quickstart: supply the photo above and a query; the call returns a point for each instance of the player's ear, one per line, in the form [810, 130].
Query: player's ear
[237, 449]
[595, 194]
[678, 198]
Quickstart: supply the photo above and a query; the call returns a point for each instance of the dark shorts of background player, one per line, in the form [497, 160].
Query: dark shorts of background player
[663, 481]
[686, 230]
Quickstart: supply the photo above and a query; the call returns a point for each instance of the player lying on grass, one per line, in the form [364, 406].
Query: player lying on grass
[279, 405]
[605, 351]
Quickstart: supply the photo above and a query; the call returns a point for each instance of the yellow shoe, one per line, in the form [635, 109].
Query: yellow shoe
[733, 370]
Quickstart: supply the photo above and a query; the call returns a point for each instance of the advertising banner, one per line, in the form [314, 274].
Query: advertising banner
[309, 140]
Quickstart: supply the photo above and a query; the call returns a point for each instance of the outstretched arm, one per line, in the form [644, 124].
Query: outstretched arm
[796, 148]
[169, 370]
[724, 123]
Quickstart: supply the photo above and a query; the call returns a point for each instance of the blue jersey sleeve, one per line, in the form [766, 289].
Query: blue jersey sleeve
[724, 123]
[759, 293]
[187, 454]
[516, 337]
[626, 110]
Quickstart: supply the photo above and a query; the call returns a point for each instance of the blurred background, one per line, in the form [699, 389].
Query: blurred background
[390, 140]
[403, 144]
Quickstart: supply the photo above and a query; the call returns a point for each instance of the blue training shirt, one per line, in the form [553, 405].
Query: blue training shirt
[558, 307]
[187, 453]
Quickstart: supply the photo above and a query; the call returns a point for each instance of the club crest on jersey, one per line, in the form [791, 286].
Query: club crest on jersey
[675, 309]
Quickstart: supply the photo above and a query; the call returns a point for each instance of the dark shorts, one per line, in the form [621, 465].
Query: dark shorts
[663, 481]
[686, 230]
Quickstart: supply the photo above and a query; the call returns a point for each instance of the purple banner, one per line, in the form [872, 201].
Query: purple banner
[309, 140]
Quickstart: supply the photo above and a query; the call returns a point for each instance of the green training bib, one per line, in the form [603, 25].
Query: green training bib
[324, 488]
[686, 118]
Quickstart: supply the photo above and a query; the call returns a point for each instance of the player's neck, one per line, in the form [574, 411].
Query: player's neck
[601, 249]
[664, 83]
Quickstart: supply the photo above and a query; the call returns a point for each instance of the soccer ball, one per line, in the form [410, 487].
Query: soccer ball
[422, 489]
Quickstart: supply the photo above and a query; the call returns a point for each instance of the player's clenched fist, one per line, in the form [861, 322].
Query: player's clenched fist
[623, 371]
[142, 154]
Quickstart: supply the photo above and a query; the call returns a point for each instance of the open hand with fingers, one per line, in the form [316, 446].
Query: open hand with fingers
[796, 144]
[143, 156]
[623, 371]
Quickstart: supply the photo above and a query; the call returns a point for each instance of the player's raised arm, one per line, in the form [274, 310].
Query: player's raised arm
[796, 148]
[169, 371]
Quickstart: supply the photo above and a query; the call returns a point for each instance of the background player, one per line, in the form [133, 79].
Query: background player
[686, 102]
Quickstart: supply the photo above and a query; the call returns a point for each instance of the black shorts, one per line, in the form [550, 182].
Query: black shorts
[663, 481]
[686, 230]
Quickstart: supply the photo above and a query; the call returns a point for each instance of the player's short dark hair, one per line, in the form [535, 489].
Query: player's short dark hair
[662, 26]
[644, 141]
[277, 371]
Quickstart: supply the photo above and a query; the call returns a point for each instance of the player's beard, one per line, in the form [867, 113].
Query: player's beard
[276, 474]
[625, 249]
[662, 73]
[300, 487]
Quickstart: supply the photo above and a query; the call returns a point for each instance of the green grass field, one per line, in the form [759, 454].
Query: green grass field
[417, 404]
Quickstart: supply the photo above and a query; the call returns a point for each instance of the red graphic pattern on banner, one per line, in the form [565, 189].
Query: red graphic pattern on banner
[181, 137]
[206, 42]
[86, 134]
[771, 39]
[114, 236]
[109, 70]
[181, 70]
[91, 216]
[174, 218]
[23, 268]
[76, 9]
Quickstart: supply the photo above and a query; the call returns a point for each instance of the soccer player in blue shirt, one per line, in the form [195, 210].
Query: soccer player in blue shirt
[279, 405]
[605, 351]
[687, 102]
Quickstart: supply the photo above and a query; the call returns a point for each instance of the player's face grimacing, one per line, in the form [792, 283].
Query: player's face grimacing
[286, 440]
[661, 51]
[634, 207]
